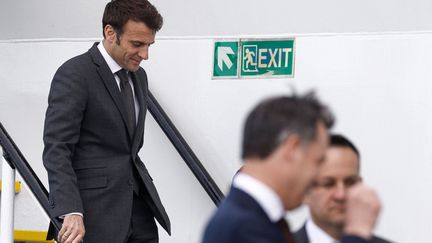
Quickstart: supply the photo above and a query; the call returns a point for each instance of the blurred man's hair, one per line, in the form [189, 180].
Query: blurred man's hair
[338, 140]
[272, 121]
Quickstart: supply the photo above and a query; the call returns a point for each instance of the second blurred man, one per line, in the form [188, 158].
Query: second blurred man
[328, 196]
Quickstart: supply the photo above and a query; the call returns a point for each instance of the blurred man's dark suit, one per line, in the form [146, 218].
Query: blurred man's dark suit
[91, 154]
[240, 219]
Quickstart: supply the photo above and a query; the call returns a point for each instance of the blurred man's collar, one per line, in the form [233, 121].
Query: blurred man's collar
[316, 234]
[264, 195]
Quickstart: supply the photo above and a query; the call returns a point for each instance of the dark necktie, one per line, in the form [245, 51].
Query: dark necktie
[283, 225]
[128, 99]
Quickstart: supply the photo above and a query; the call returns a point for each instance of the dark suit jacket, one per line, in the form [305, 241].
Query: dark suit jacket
[302, 237]
[240, 219]
[89, 151]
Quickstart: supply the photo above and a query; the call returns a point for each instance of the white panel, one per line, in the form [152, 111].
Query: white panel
[378, 86]
[30, 19]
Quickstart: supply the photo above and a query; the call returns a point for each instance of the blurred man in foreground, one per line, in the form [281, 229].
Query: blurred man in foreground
[284, 143]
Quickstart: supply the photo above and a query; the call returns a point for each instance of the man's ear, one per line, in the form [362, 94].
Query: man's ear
[291, 147]
[110, 34]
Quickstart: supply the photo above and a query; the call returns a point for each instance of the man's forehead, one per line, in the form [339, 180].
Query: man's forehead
[339, 160]
[341, 154]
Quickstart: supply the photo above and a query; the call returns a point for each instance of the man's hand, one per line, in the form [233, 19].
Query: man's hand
[363, 207]
[72, 230]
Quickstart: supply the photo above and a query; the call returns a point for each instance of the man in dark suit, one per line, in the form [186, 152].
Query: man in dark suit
[327, 197]
[94, 130]
[284, 142]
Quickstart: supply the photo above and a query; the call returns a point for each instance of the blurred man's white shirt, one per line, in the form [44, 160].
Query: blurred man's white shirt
[317, 235]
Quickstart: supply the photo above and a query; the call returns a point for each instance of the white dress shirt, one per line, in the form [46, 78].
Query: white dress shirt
[263, 194]
[317, 235]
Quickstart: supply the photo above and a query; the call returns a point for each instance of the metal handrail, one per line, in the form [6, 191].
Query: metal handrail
[17, 161]
[184, 150]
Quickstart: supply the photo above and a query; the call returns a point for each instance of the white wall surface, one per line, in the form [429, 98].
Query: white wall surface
[378, 86]
[23, 19]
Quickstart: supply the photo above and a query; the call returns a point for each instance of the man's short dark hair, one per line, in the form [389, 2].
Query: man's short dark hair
[338, 140]
[275, 119]
[118, 12]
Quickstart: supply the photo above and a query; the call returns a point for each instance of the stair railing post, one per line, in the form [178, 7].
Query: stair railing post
[7, 201]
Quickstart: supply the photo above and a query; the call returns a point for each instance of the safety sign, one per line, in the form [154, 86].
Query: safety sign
[254, 58]
[225, 59]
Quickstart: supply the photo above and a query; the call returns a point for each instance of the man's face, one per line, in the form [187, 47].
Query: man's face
[327, 197]
[309, 159]
[132, 46]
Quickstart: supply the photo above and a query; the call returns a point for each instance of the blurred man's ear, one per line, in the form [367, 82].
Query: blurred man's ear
[291, 148]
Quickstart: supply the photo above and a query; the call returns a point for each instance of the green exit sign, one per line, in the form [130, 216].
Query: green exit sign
[254, 58]
[267, 58]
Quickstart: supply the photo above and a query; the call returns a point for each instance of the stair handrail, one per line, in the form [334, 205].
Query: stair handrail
[184, 150]
[17, 161]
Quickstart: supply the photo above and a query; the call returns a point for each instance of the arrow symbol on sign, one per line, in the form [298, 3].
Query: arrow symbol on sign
[269, 73]
[223, 57]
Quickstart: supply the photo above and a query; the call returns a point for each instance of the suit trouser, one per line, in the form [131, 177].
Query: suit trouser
[143, 227]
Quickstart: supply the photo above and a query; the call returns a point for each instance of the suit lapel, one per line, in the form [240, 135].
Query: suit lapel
[110, 83]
